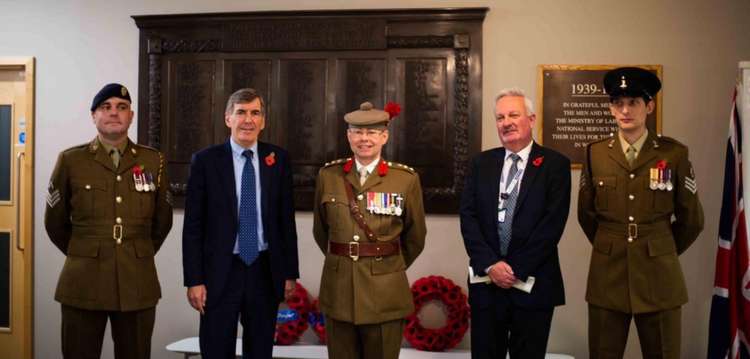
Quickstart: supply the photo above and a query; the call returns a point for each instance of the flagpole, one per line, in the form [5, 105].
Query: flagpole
[743, 104]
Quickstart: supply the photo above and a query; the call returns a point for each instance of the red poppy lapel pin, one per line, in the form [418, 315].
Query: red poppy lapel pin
[271, 159]
[348, 165]
[662, 164]
[382, 168]
[538, 161]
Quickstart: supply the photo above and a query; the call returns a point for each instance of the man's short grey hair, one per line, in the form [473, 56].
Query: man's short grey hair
[517, 92]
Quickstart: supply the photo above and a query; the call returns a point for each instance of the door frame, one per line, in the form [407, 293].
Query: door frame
[22, 233]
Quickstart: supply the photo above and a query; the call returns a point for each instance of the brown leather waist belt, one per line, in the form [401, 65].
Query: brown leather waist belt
[354, 250]
[633, 230]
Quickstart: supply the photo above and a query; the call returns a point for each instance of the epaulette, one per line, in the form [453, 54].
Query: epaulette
[140, 146]
[77, 147]
[336, 162]
[610, 139]
[397, 165]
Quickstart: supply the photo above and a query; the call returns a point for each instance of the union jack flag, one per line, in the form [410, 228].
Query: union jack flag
[729, 326]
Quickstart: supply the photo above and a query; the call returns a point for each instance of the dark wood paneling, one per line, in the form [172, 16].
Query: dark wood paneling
[312, 68]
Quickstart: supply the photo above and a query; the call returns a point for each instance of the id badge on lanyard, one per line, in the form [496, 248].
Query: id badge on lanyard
[501, 210]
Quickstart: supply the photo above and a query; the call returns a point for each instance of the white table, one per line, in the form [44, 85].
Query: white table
[189, 347]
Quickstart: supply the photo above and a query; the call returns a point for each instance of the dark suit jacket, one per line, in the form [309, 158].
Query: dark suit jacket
[538, 223]
[211, 221]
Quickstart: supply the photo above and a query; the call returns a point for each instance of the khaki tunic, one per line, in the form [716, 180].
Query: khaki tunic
[641, 274]
[369, 290]
[87, 199]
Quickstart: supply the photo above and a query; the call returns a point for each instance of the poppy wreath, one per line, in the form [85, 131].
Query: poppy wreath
[317, 321]
[457, 310]
[292, 322]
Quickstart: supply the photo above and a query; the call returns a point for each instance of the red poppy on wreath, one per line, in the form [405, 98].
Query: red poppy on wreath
[292, 322]
[662, 164]
[382, 168]
[348, 165]
[393, 109]
[538, 161]
[271, 159]
[457, 311]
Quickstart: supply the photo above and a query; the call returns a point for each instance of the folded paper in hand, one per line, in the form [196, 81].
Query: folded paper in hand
[520, 285]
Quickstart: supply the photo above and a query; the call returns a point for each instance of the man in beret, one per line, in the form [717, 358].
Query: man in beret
[108, 210]
[638, 205]
[369, 222]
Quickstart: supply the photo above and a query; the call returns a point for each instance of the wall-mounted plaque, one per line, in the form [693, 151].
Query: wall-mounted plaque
[574, 107]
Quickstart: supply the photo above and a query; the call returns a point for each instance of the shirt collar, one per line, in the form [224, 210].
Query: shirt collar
[369, 167]
[637, 144]
[237, 149]
[523, 153]
[107, 147]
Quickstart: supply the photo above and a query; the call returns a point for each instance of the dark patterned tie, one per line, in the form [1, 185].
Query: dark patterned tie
[505, 227]
[248, 232]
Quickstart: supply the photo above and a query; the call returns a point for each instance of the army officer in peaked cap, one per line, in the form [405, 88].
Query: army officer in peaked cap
[108, 210]
[369, 222]
[638, 205]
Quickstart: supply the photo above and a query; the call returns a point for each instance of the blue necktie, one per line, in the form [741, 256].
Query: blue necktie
[248, 232]
[505, 227]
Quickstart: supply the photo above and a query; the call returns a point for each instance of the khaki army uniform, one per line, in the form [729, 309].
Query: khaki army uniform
[634, 263]
[368, 290]
[108, 230]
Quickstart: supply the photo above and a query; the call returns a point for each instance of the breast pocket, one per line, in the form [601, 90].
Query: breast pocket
[605, 192]
[88, 197]
[141, 203]
[338, 217]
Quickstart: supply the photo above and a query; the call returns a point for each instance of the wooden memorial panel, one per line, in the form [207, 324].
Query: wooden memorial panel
[312, 68]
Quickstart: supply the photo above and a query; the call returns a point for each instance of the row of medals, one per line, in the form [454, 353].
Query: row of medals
[144, 182]
[385, 203]
[660, 179]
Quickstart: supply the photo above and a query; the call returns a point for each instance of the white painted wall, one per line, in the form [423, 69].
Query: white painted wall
[81, 45]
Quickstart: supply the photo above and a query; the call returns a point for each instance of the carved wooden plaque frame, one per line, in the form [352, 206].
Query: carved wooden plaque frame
[312, 67]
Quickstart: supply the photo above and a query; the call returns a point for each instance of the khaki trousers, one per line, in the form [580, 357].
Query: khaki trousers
[659, 333]
[83, 333]
[365, 341]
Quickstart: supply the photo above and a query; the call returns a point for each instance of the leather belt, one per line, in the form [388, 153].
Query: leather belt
[354, 250]
[117, 231]
[633, 230]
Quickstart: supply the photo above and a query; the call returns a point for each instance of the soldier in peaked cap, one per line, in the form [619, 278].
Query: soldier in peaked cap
[108, 210]
[632, 186]
[369, 222]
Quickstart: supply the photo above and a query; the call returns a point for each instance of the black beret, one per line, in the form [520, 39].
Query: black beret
[109, 91]
[631, 82]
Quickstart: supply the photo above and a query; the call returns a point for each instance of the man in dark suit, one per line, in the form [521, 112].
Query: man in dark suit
[239, 238]
[513, 211]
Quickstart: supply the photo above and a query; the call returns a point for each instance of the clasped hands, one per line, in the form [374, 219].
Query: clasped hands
[502, 275]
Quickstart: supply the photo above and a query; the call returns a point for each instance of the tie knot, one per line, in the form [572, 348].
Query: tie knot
[363, 172]
[248, 154]
[515, 157]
